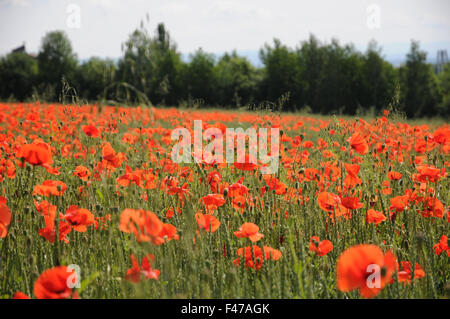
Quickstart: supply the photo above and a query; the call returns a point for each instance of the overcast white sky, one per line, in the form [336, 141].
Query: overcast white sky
[223, 25]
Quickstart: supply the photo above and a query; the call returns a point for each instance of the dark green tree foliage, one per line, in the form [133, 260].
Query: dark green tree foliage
[152, 65]
[200, 78]
[444, 81]
[135, 67]
[282, 74]
[419, 86]
[312, 58]
[380, 78]
[56, 60]
[18, 73]
[93, 77]
[321, 77]
[237, 80]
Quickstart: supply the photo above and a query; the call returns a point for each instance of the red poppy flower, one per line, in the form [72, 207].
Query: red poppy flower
[399, 203]
[91, 130]
[332, 204]
[442, 246]
[21, 295]
[146, 226]
[5, 219]
[359, 265]
[49, 231]
[404, 275]
[36, 154]
[321, 248]
[79, 218]
[49, 187]
[54, 283]
[394, 176]
[213, 201]
[247, 165]
[82, 172]
[374, 216]
[352, 178]
[442, 135]
[207, 222]
[254, 256]
[358, 143]
[351, 203]
[134, 273]
[250, 231]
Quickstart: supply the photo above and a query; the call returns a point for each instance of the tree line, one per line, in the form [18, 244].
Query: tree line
[316, 77]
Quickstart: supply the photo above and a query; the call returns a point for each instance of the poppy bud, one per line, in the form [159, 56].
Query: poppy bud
[281, 132]
[225, 192]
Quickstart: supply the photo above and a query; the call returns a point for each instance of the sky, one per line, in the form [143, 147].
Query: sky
[99, 27]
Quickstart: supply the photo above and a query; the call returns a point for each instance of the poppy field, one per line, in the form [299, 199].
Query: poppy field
[92, 206]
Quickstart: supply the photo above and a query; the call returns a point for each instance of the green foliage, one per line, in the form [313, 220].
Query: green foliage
[327, 78]
[444, 83]
[93, 76]
[237, 80]
[200, 77]
[282, 73]
[56, 60]
[152, 65]
[18, 72]
[419, 84]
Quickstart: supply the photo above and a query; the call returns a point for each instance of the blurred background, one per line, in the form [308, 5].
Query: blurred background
[329, 57]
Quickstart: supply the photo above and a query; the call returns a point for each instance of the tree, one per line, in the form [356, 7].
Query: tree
[312, 58]
[236, 80]
[152, 65]
[18, 73]
[282, 74]
[94, 76]
[380, 78]
[200, 77]
[420, 92]
[56, 60]
[444, 81]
